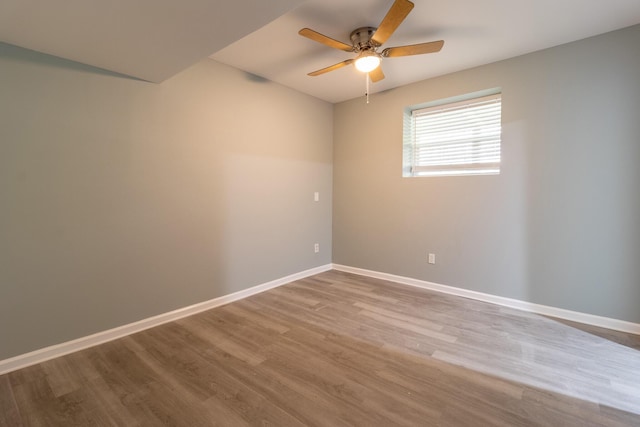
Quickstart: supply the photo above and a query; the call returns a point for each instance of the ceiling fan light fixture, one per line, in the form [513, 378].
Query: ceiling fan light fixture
[367, 61]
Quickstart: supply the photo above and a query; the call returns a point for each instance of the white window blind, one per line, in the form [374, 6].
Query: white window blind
[460, 138]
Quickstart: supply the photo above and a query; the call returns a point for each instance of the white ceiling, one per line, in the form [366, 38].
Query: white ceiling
[155, 39]
[476, 32]
[148, 39]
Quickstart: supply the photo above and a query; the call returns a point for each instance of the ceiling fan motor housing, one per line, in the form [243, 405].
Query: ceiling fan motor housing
[361, 39]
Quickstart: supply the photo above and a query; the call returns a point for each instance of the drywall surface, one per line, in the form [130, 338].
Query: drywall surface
[559, 226]
[122, 199]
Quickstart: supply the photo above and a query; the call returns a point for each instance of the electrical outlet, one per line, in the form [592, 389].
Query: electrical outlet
[316, 248]
[316, 197]
[432, 258]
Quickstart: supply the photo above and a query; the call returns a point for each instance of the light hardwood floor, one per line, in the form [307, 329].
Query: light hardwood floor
[338, 349]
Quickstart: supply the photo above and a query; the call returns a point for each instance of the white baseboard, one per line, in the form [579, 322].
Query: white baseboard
[589, 319]
[58, 350]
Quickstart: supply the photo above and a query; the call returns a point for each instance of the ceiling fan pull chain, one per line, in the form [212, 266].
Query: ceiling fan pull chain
[366, 77]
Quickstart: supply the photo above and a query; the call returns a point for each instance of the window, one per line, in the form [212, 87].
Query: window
[453, 137]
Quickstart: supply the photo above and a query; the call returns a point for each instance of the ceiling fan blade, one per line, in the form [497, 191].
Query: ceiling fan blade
[414, 49]
[328, 41]
[331, 68]
[398, 12]
[376, 75]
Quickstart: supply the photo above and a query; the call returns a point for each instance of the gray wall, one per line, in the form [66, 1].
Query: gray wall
[122, 199]
[559, 226]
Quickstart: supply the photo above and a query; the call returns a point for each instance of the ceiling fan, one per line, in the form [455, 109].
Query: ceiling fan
[365, 41]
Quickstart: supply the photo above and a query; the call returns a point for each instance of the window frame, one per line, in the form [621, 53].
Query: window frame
[411, 169]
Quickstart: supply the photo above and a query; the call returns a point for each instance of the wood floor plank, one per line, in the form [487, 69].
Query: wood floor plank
[337, 349]
[204, 372]
[257, 318]
[9, 413]
[63, 377]
[422, 323]
[102, 402]
[406, 326]
[48, 411]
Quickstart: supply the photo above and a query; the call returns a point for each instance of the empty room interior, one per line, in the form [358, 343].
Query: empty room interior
[209, 215]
